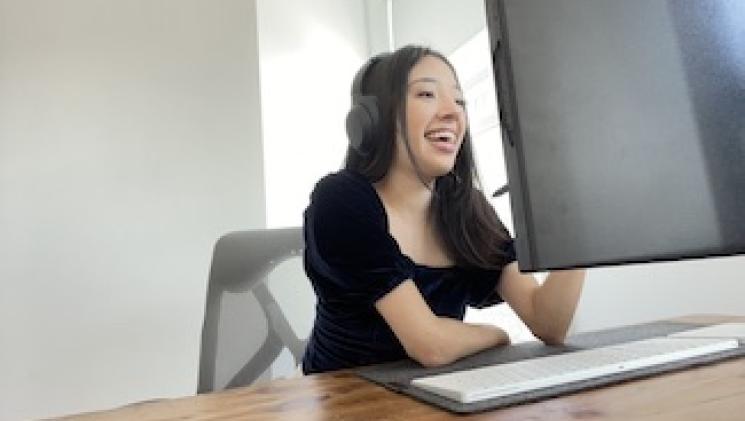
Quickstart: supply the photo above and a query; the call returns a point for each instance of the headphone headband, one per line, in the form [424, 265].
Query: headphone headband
[361, 76]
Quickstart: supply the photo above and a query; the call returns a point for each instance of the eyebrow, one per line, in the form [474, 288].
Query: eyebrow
[432, 80]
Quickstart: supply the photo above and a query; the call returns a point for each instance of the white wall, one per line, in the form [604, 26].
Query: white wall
[441, 24]
[622, 295]
[308, 60]
[129, 141]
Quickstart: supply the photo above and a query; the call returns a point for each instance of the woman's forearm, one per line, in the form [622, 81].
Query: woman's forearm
[456, 339]
[555, 303]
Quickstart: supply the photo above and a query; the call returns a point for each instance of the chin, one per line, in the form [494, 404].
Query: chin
[434, 168]
[440, 170]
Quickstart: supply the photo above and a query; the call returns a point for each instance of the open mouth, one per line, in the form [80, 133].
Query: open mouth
[440, 135]
[444, 140]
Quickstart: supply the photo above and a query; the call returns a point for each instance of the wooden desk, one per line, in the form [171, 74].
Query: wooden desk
[714, 392]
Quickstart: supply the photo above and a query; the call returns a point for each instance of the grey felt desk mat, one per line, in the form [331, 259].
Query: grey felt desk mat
[397, 375]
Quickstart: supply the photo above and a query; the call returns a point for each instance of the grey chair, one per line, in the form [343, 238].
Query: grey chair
[238, 281]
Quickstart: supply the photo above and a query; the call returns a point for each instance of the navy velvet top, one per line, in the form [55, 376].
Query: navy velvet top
[352, 261]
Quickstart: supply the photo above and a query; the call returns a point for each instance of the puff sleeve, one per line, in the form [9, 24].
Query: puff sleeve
[349, 253]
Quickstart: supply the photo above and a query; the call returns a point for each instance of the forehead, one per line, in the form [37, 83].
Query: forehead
[431, 67]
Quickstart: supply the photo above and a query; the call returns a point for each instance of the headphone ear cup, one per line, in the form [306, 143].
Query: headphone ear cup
[362, 123]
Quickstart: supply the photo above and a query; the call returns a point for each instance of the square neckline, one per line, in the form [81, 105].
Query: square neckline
[381, 207]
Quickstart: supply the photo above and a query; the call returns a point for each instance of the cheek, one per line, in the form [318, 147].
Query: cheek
[463, 119]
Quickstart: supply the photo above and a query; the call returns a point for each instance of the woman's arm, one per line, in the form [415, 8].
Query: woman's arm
[427, 338]
[546, 309]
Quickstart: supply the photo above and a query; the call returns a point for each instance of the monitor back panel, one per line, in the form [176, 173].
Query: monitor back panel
[623, 127]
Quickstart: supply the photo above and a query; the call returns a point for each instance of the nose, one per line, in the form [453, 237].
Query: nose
[449, 109]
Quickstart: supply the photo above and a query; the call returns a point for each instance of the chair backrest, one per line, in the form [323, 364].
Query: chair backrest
[241, 264]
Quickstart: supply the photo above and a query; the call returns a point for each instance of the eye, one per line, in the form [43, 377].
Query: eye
[461, 102]
[425, 94]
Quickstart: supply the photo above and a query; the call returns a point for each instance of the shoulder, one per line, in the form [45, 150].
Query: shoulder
[346, 226]
[346, 194]
[342, 183]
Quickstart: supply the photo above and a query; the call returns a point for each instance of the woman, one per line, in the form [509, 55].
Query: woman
[400, 241]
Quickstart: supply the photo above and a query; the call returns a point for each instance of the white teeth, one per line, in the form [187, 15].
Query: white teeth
[441, 135]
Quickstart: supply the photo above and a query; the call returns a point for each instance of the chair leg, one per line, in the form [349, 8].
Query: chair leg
[279, 323]
[261, 360]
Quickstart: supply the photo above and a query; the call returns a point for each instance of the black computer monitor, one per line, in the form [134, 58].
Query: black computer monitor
[623, 128]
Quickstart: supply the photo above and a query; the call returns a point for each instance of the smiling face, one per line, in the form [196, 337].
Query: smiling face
[435, 119]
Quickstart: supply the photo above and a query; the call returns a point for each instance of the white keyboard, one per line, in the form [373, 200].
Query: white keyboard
[500, 380]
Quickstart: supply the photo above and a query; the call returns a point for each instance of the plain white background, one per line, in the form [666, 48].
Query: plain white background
[130, 139]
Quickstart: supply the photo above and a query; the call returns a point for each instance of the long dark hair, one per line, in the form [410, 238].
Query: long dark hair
[467, 223]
